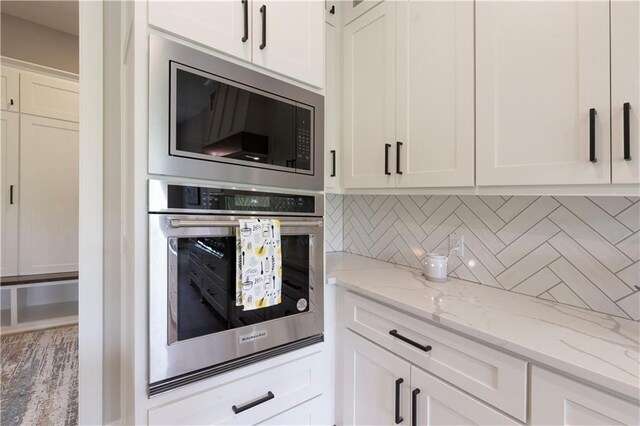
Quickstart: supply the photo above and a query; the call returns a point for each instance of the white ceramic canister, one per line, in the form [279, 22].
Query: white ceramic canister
[435, 267]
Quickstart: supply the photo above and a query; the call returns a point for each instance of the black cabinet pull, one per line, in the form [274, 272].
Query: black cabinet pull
[10, 194]
[332, 10]
[263, 11]
[386, 158]
[245, 4]
[398, 146]
[414, 407]
[268, 397]
[11, 101]
[627, 131]
[398, 416]
[395, 333]
[333, 163]
[592, 135]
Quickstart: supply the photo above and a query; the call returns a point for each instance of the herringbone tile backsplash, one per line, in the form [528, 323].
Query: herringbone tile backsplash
[580, 251]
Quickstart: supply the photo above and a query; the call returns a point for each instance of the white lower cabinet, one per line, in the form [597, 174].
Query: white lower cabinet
[381, 388]
[558, 400]
[434, 402]
[9, 155]
[376, 383]
[277, 394]
[306, 414]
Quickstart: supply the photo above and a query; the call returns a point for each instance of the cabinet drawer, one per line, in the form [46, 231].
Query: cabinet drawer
[488, 374]
[290, 384]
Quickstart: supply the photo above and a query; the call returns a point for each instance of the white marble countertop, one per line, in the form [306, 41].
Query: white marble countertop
[598, 348]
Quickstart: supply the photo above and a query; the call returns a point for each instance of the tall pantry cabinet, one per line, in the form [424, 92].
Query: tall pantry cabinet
[39, 130]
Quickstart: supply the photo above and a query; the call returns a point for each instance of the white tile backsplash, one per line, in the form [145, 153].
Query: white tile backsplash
[579, 251]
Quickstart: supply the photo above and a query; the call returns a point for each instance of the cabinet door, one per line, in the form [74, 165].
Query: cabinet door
[370, 99]
[540, 68]
[557, 400]
[332, 107]
[625, 88]
[9, 134]
[434, 113]
[49, 96]
[48, 231]
[375, 381]
[434, 402]
[218, 24]
[9, 89]
[288, 38]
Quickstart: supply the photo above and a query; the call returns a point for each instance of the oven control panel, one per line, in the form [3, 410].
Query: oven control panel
[231, 200]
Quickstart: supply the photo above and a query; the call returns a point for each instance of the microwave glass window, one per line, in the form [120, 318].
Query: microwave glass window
[222, 121]
[206, 285]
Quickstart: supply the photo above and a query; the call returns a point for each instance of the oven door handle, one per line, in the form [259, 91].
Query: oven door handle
[180, 223]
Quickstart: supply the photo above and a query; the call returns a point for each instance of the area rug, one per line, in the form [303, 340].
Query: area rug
[40, 377]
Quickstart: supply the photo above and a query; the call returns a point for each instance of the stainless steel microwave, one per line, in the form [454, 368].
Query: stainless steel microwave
[214, 119]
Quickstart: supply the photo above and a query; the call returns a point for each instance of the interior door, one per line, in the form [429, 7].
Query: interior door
[435, 402]
[541, 67]
[375, 381]
[48, 229]
[216, 24]
[625, 91]
[434, 114]
[9, 138]
[370, 99]
[288, 38]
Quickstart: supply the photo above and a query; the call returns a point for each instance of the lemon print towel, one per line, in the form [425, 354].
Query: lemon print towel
[259, 264]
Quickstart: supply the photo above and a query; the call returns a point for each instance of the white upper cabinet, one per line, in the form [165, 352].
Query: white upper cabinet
[222, 25]
[47, 96]
[625, 91]
[48, 227]
[9, 157]
[434, 93]
[288, 38]
[369, 99]
[332, 99]
[409, 107]
[9, 89]
[542, 88]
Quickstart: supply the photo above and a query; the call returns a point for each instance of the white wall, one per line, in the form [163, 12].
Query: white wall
[37, 44]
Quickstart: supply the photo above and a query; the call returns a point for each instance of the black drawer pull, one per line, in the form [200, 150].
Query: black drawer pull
[386, 158]
[627, 131]
[10, 194]
[395, 333]
[399, 418]
[245, 4]
[333, 163]
[592, 135]
[414, 407]
[268, 397]
[263, 11]
[398, 146]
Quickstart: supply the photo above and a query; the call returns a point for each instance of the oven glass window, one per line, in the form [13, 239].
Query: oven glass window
[222, 121]
[206, 285]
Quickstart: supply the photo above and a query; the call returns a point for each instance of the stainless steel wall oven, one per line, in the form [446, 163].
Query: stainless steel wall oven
[213, 119]
[196, 330]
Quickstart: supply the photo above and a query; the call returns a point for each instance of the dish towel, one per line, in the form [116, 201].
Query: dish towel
[259, 264]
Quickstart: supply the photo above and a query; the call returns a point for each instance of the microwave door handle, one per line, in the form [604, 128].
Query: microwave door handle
[180, 223]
